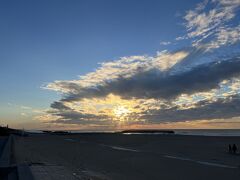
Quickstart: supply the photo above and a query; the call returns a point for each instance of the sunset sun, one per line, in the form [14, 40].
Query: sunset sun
[121, 111]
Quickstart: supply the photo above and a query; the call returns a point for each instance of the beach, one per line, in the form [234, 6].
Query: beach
[119, 156]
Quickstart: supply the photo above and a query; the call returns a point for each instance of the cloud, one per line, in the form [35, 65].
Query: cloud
[179, 38]
[126, 67]
[224, 36]
[23, 114]
[59, 106]
[25, 107]
[204, 110]
[164, 43]
[155, 83]
[74, 117]
[204, 23]
[154, 96]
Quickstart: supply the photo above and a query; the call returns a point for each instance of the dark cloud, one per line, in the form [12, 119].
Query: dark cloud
[59, 106]
[82, 122]
[220, 109]
[162, 85]
[68, 116]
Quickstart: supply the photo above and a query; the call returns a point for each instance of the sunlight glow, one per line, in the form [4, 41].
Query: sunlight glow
[121, 111]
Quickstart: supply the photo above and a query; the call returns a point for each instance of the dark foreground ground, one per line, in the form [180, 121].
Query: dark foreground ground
[123, 157]
[2, 142]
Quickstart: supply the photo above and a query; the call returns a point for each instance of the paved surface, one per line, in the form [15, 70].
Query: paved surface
[129, 157]
[52, 172]
[9, 170]
[2, 142]
[6, 172]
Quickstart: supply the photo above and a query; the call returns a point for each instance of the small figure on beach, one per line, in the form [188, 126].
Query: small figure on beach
[229, 148]
[234, 149]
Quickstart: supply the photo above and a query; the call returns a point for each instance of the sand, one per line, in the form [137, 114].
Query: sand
[116, 156]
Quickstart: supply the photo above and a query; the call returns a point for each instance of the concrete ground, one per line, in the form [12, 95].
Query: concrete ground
[2, 142]
[9, 169]
[115, 156]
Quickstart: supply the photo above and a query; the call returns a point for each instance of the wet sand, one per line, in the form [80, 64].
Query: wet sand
[117, 156]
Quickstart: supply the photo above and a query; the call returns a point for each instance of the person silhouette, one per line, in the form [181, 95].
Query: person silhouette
[234, 149]
[229, 148]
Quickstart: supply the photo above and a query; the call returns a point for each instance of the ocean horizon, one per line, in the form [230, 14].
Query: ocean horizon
[193, 132]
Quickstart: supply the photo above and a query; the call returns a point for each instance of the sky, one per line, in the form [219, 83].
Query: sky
[110, 65]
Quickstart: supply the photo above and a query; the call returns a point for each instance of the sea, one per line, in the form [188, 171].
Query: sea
[208, 132]
[192, 132]
[197, 132]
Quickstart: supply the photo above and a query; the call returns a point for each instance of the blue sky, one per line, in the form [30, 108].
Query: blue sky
[42, 41]
[45, 41]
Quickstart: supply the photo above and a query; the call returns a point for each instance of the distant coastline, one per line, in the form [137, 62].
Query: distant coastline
[5, 131]
[147, 131]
